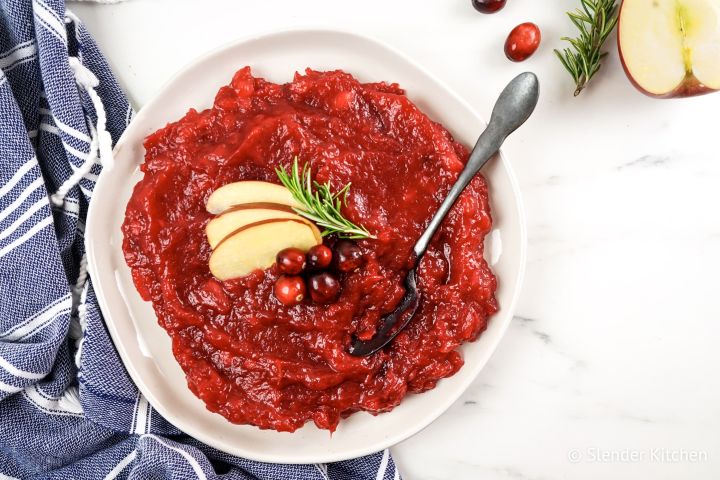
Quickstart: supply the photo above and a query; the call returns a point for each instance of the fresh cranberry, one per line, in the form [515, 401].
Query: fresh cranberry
[291, 261]
[324, 288]
[290, 290]
[522, 42]
[488, 6]
[347, 256]
[318, 257]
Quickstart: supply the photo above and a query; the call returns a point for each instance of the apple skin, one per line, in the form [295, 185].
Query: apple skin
[689, 87]
[316, 233]
[263, 205]
[248, 192]
[234, 217]
[255, 246]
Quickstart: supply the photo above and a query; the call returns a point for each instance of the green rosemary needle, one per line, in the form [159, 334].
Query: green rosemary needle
[595, 21]
[319, 203]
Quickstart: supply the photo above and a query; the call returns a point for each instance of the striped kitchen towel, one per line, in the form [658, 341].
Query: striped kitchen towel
[68, 409]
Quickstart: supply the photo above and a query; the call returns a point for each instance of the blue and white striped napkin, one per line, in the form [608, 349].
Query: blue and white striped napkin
[68, 409]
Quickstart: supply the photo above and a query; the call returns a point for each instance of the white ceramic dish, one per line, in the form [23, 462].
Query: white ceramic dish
[145, 347]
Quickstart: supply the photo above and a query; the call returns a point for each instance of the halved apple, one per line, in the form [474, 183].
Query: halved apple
[255, 246]
[238, 216]
[239, 193]
[671, 48]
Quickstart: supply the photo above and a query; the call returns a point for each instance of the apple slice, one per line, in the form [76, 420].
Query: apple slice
[238, 216]
[255, 246]
[671, 48]
[251, 191]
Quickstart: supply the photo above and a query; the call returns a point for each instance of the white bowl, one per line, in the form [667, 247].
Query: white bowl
[145, 347]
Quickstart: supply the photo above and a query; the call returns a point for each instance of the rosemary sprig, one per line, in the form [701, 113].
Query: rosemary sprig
[595, 20]
[319, 203]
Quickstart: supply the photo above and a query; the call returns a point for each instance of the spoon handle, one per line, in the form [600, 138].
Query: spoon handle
[515, 104]
[487, 145]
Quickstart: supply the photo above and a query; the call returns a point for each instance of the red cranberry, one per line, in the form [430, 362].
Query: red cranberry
[290, 290]
[522, 42]
[319, 257]
[347, 256]
[488, 6]
[324, 288]
[291, 261]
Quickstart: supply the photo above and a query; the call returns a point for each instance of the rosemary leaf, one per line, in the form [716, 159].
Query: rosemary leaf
[595, 21]
[319, 203]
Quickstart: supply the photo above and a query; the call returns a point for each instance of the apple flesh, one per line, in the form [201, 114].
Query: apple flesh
[237, 217]
[671, 48]
[239, 193]
[256, 245]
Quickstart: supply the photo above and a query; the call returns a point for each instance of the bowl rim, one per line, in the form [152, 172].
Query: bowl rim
[392, 439]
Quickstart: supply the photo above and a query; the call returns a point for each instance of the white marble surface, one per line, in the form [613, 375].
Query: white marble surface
[611, 369]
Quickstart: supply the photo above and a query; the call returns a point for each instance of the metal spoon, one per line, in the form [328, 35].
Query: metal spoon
[515, 104]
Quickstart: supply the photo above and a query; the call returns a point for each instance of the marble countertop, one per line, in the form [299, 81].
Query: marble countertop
[610, 369]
